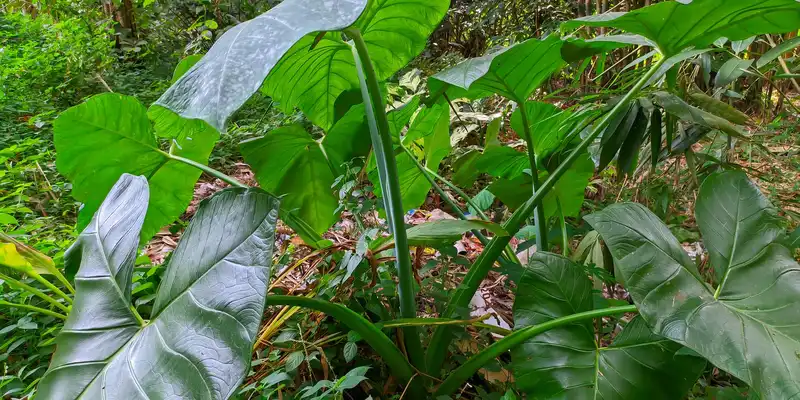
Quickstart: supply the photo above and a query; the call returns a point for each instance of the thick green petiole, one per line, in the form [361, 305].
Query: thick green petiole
[466, 370]
[390, 185]
[440, 342]
[538, 215]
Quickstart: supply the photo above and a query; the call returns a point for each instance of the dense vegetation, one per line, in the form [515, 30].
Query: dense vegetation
[482, 199]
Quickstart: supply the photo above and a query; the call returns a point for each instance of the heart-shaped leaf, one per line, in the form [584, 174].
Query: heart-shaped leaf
[677, 25]
[568, 362]
[110, 134]
[207, 311]
[512, 72]
[395, 31]
[236, 66]
[747, 326]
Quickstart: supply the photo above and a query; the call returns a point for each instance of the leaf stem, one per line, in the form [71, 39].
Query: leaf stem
[466, 370]
[538, 214]
[205, 168]
[52, 287]
[440, 342]
[381, 343]
[390, 182]
[429, 174]
[32, 290]
[34, 309]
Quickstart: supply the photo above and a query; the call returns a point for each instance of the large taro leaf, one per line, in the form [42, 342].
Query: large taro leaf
[513, 72]
[110, 134]
[547, 126]
[675, 26]
[395, 31]
[289, 162]
[198, 341]
[428, 138]
[236, 66]
[748, 324]
[567, 362]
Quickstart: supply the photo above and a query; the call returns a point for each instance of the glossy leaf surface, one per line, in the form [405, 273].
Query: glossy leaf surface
[109, 135]
[235, 67]
[513, 72]
[747, 325]
[395, 31]
[676, 25]
[207, 312]
[568, 363]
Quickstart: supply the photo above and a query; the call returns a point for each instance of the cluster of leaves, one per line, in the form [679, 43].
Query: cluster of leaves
[45, 63]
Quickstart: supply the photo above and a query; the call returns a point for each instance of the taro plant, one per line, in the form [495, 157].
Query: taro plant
[212, 297]
[330, 60]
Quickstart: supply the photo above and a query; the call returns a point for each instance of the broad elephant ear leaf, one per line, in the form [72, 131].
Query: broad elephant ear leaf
[110, 134]
[512, 72]
[567, 362]
[212, 297]
[743, 326]
[547, 126]
[395, 31]
[428, 137]
[288, 162]
[236, 66]
[677, 25]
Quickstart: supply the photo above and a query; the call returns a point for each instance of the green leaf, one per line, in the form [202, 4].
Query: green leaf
[483, 200]
[629, 152]
[289, 163]
[503, 162]
[185, 65]
[569, 190]
[447, 231]
[719, 108]
[547, 125]
[294, 360]
[350, 351]
[235, 67]
[677, 25]
[513, 72]
[739, 46]
[465, 173]
[211, 297]
[567, 362]
[109, 135]
[395, 31]
[776, 51]
[7, 219]
[431, 127]
[731, 71]
[400, 117]
[793, 240]
[747, 325]
[677, 107]
[348, 139]
[655, 136]
[615, 134]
